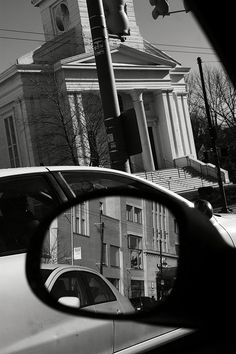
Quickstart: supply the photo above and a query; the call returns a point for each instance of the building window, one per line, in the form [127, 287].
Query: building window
[177, 249]
[176, 227]
[62, 17]
[160, 227]
[136, 252]
[104, 254]
[114, 256]
[11, 142]
[129, 212]
[81, 219]
[133, 214]
[138, 215]
[137, 288]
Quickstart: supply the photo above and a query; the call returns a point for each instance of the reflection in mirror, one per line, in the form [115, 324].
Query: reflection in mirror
[111, 255]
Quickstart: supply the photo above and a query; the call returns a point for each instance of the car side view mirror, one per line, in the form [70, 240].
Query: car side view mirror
[116, 249]
[204, 207]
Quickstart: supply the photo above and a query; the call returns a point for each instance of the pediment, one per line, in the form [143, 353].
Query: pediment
[127, 56]
[131, 56]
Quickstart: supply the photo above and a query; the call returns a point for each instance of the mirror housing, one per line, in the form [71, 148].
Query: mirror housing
[204, 207]
[195, 295]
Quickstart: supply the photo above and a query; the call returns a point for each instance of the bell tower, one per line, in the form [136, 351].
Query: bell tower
[67, 29]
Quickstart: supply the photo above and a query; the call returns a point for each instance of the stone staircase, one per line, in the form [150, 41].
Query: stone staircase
[179, 180]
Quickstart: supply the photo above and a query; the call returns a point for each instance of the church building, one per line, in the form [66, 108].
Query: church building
[50, 107]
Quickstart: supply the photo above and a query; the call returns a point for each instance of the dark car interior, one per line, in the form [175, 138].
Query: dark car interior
[24, 202]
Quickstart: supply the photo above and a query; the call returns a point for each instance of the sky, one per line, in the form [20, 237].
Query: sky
[177, 34]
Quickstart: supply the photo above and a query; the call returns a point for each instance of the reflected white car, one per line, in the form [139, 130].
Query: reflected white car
[84, 288]
[30, 327]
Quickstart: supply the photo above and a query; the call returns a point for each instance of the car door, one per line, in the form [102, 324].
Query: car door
[128, 334]
[95, 336]
[31, 327]
[95, 295]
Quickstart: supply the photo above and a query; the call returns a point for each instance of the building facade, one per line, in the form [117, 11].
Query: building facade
[133, 242]
[46, 95]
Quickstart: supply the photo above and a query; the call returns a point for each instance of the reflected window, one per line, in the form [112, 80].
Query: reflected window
[133, 214]
[137, 288]
[98, 289]
[104, 255]
[136, 252]
[114, 256]
[71, 284]
[81, 219]
[129, 213]
[160, 227]
[138, 215]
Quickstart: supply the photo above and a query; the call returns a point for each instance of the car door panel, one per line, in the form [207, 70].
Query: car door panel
[128, 333]
[78, 335]
[29, 326]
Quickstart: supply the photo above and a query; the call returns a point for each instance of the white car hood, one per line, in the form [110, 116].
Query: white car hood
[226, 225]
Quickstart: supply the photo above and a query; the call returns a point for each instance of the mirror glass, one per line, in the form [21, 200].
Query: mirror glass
[111, 255]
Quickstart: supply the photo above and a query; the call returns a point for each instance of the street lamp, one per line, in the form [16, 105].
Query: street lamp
[160, 279]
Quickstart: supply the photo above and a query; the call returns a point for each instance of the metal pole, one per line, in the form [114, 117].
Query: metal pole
[161, 268]
[101, 237]
[106, 78]
[72, 235]
[212, 133]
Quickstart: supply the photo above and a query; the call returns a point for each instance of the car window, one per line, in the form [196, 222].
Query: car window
[71, 284]
[84, 182]
[24, 201]
[98, 289]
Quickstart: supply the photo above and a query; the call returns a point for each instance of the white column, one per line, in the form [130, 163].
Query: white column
[173, 116]
[147, 157]
[166, 137]
[186, 125]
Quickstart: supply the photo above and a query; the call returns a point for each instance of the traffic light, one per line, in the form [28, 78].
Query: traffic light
[129, 124]
[116, 17]
[161, 8]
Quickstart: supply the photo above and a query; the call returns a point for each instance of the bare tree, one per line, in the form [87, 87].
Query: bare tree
[68, 127]
[197, 111]
[221, 96]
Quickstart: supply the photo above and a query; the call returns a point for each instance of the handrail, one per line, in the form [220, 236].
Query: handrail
[173, 183]
[205, 170]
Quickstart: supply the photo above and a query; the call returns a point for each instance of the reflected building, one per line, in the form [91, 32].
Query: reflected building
[131, 241]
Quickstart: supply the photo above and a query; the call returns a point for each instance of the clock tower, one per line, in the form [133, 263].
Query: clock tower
[67, 29]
